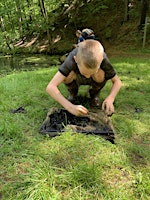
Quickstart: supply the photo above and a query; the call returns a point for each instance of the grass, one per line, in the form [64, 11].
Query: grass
[75, 166]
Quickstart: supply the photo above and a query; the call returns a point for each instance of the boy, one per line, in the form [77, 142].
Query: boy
[85, 65]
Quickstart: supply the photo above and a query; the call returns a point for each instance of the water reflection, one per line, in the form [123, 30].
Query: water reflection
[9, 64]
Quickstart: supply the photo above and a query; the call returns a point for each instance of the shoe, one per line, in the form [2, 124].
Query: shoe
[95, 101]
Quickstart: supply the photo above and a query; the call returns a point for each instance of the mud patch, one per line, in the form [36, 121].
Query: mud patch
[95, 123]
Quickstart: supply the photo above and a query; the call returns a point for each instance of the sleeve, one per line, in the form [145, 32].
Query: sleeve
[81, 39]
[69, 64]
[107, 67]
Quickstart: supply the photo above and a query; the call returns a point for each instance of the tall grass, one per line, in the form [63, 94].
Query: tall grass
[75, 166]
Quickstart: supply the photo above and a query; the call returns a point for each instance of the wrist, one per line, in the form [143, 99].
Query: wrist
[111, 98]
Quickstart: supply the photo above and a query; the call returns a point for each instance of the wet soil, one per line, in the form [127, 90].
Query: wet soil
[94, 123]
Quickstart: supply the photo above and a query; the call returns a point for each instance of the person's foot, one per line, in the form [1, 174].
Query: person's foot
[95, 101]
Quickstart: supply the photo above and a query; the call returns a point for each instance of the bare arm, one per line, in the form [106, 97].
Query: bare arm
[108, 102]
[53, 91]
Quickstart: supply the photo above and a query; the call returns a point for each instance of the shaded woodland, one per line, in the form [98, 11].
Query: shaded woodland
[43, 26]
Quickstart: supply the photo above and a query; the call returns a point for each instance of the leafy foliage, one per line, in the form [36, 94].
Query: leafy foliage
[23, 20]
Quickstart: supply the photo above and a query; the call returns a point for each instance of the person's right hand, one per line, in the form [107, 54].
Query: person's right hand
[78, 110]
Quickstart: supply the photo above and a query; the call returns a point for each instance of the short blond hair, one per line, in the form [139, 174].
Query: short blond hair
[78, 32]
[91, 53]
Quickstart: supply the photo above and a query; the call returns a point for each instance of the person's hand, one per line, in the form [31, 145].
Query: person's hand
[78, 110]
[108, 106]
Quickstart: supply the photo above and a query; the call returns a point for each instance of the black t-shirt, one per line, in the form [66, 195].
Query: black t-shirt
[70, 65]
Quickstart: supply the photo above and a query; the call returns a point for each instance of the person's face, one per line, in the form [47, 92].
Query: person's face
[78, 35]
[85, 71]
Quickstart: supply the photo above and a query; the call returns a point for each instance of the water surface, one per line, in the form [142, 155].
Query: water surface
[9, 64]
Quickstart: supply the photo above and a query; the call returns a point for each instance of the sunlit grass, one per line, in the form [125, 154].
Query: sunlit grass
[75, 166]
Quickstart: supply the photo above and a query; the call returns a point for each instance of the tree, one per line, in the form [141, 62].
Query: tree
[5, 33]
[20, 20]
[126, 15]
[144, 9]
[45, 16]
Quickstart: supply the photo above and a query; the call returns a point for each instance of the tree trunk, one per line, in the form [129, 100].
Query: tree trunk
[4, 31]
[18, 9]
[126, 15]
[44, 14]
[30, 13]
[144, 9]
[11, 22]
[42, 8]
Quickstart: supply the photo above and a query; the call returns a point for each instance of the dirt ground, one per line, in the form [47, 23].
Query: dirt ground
[95, 122]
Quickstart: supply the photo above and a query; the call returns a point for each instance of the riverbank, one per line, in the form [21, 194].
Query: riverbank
[74, 166]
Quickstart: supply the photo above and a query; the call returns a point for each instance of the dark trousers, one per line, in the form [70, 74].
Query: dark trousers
[73, 87]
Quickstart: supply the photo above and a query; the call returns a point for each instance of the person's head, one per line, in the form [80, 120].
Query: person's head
[88, 34]
[78, 33]
[89, 57]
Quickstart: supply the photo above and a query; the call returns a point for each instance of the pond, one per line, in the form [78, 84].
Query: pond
[9, 64]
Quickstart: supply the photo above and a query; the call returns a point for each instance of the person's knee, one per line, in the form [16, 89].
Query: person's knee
[71, 77]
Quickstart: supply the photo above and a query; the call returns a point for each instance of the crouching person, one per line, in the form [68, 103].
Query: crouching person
[85, 65]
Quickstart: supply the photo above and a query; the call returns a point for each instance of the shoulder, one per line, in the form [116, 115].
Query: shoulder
[70, 57]
[107, 67]
[69, 64]
[106, 61]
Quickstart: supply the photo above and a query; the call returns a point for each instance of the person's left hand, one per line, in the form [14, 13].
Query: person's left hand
[108, 106]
